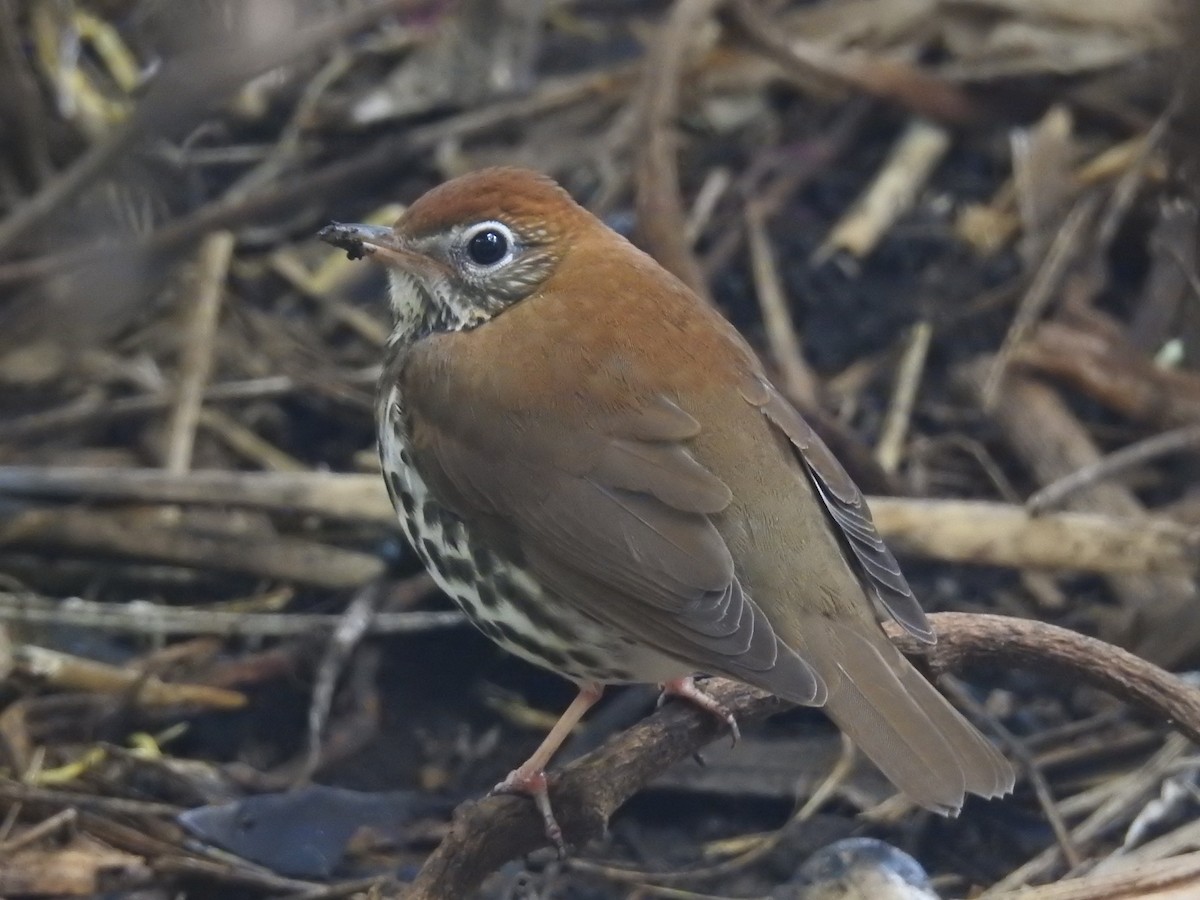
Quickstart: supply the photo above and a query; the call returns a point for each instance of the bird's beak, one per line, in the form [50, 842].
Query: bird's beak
[377, 241]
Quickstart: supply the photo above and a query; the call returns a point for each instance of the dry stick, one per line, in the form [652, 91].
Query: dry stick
[148, 618]
[1131, 793]
[966, 531]
[892, 193]
[1100, 362]
[661, 217]
[1065, 249]
[1185, 837]
[1025, 759]
[799, 381]
[382, 155]
[247, 444]
[794, 168]
[890, 449]
[353, 625]
[63, 819]
[888, 79]
[74, 673]
[96, 407]
[487, 834]
[1003, 534]
[290, 559]
[1052, 442]
[181, 92]
[716, 184]
[1116, 463]
[199, 345]
[1170, 879]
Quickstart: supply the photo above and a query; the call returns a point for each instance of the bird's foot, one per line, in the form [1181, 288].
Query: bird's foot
[686, 689]
[532, 783]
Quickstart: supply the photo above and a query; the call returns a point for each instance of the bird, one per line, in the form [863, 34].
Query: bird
[591, 461]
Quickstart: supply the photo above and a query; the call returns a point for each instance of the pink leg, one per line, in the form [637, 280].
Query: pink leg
[686, 689]
[529, 778]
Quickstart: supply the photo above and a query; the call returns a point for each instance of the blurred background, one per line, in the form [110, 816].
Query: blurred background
[961, 233]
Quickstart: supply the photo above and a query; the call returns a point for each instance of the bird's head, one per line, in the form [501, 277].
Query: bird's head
[468, 249]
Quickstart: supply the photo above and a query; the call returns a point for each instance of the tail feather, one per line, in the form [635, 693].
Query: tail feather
[900, 721]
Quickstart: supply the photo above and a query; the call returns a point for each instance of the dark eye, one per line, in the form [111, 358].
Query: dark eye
[487, 247]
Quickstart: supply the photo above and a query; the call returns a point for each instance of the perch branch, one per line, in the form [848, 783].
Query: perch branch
[488, 833]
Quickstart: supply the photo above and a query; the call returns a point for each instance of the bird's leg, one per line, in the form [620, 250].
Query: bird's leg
[529, 778]
[686, 689]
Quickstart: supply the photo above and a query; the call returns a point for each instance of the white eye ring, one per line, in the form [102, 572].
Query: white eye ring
[487, 246]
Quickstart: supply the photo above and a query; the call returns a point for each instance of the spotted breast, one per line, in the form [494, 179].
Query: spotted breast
[500, 598]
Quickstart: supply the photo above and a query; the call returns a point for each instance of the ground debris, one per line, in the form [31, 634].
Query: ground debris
[962, 233]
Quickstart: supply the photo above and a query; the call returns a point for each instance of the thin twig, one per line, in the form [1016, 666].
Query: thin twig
[798, 379]
[183, 90]
[145, 617]
[890, 449]
[199, 336]
[1064, 250]
[1113, 465]
[662, 220]
[353, 625]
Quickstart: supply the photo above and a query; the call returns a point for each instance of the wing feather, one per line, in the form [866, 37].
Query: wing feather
[614, 517]
[847, 508]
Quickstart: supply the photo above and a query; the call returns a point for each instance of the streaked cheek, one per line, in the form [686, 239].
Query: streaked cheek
[407, 298]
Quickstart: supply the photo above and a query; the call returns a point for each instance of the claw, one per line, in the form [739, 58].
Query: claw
[686, 689]
[534, 785]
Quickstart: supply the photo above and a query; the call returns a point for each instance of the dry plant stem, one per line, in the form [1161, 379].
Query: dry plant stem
[237, 873]
[892, 193]
[22, 104]
[661, 213]
[144, 617]
[1113, 465]
[1016, 748]
[890, 449]
[805, 162]
[1103, 365]
[83, 531]
[199, 336]
[887, 79]
[798, 379]
[15, 792]
[487, 834]
[1004, 534]
[1171, 879]
[61, 820]
[182, 91]
[1130, 793]
[1065, 249]
[248, 445]
[94, 407]
[1182, 839]
[74, 673]
[383, 155]
[352, 627]
[968, 531]
[1053, 443]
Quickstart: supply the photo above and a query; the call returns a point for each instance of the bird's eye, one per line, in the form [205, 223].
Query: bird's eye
[489, 245]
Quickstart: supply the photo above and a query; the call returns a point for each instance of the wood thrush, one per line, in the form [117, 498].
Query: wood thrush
[592, 463]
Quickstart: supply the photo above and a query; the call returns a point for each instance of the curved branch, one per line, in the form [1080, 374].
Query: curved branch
[489, 833]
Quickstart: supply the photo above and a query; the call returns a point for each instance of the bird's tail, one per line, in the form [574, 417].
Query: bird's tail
[900, 721]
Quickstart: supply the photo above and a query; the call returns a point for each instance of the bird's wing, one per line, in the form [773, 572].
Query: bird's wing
[613, 516]
[877, 568]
